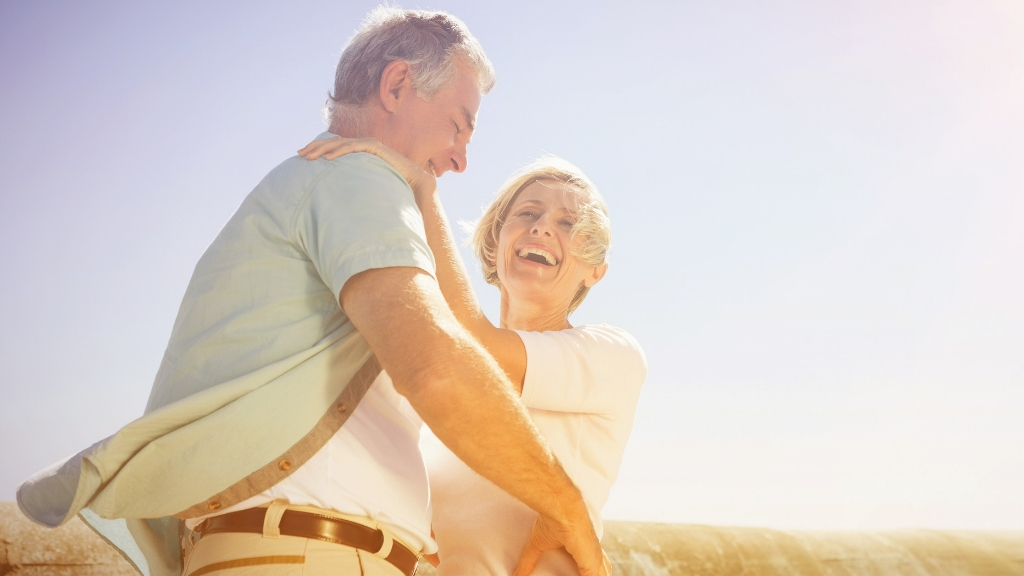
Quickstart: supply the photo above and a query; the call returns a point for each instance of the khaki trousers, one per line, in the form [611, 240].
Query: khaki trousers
[240, 554]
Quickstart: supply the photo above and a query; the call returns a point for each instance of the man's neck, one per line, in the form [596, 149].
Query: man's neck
[347, 129]
[356, 123]
[367, 123]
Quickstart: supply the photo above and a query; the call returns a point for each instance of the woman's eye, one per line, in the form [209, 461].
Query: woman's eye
[457, 129]
[568, 224]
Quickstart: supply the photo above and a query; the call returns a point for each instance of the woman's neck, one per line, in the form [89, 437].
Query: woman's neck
[531, 316]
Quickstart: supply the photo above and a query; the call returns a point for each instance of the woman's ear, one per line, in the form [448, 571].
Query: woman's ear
[395, 84]
[595, 276]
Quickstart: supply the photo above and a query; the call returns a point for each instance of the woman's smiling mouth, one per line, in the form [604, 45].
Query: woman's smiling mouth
[538, 255]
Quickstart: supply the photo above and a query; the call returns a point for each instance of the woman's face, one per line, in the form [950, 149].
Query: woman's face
[534, 259]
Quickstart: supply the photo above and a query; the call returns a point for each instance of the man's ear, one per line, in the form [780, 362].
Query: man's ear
[395, 84]
[595, 276]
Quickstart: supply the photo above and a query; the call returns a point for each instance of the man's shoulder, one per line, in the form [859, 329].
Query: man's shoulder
[298, 182]
[297, 176]
[356, 168]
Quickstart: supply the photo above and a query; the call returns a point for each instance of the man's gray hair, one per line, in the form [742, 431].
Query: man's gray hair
[429, 41]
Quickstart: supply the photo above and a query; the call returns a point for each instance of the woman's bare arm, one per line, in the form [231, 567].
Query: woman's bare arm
[505, 345]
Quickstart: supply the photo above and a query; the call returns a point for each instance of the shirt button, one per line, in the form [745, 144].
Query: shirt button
[284, 465]
[214, 505]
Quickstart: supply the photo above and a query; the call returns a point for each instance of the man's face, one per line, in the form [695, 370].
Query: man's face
[434, 133]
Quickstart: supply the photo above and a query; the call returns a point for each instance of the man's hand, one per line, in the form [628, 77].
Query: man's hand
[582, 545]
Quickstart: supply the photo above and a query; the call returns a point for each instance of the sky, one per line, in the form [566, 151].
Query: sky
[817, 209]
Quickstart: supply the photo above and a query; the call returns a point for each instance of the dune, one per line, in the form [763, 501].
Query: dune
[635, 549]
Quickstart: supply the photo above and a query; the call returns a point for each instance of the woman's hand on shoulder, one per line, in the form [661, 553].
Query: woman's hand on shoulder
[422, 182]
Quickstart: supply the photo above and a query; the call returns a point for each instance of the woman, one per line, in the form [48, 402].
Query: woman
[543, 242]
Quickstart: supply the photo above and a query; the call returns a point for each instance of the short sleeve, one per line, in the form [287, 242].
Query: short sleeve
[360, 214]
[589, 369]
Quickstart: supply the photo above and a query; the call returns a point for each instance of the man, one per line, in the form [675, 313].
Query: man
[321, 278]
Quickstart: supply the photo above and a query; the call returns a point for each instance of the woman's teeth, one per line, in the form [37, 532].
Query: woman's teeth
[538, 255]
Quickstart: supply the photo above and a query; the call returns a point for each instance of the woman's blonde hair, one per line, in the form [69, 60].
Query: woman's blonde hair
[592, 227]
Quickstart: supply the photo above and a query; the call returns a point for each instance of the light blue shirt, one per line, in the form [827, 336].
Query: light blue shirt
[258, 355]
[268, 286]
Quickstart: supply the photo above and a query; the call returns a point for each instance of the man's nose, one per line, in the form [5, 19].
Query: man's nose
[458, 160]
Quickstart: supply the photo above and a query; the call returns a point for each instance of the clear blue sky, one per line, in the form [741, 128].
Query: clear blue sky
[818, 212]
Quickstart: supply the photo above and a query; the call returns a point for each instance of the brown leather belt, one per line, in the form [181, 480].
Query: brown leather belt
[314, 526]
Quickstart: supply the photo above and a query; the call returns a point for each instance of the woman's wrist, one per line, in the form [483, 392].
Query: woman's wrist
[426, 197]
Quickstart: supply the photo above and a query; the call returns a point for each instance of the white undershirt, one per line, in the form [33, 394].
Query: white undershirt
[581, 389]
[371, 467]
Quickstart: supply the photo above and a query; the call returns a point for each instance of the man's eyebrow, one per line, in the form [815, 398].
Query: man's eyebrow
[468, 118]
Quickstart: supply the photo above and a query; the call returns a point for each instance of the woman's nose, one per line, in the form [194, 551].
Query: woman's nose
[541, 227]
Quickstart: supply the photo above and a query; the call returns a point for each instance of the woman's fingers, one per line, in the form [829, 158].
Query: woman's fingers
[317, 148]
[338, 146]
[340, 150]
[350, 145]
